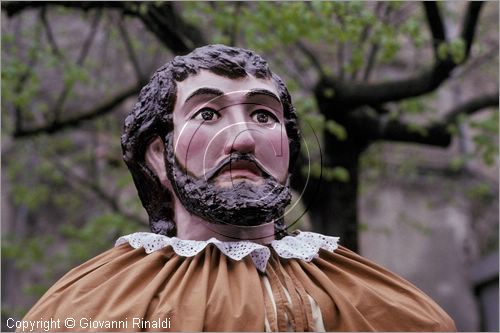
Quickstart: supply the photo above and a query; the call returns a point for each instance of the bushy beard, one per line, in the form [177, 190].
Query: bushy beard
[243, 203]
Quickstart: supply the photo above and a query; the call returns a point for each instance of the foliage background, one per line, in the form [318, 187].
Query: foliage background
[71, 72]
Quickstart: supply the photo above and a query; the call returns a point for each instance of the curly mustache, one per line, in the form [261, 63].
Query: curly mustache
[235, 157]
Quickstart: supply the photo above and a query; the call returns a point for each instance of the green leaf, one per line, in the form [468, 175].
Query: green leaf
[30, 196]
[336, 129]
[338, 173]
[327, 173]
[442, 51]
[457, 50]
[457, 163]
[416, 128]
[486, 137]
[480, 192]
[328, 92]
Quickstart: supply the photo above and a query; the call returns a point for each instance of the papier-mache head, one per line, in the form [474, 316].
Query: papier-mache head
[242, 203]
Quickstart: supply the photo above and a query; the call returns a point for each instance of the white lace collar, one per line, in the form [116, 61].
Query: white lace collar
[305, 246]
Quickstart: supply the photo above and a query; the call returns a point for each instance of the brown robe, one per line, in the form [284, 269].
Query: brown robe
[210, 292]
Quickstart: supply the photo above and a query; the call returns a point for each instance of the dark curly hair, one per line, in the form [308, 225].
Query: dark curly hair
[152, 116]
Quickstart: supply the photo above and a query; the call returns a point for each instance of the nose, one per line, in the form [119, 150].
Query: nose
[240, 140]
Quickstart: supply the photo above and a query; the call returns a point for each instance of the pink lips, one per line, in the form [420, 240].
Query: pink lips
[241, 169]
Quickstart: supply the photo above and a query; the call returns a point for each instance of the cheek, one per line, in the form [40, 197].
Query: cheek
[273, 152]
[197, 148]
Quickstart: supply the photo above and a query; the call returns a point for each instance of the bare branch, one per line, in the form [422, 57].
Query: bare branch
[90, 38]
[367, 30]
[472, 106]
[294, 69]
[437, 133]
[475, 63]
[170, 28]
[50, 35]
[83, 54]
[340, 50]
[399, 17]
[235, 26]
[436, 25]
[130, 49]
[13, 8]
[312, 58]
[469, 24]
[432, 135]
[371, 61]
[99, 110]
[340, 60]
[159, 17]
[351, 94]
[375, 47]
[33, 58]
[110, 200]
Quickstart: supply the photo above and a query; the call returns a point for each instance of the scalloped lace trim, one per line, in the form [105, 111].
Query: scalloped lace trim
[305, 246]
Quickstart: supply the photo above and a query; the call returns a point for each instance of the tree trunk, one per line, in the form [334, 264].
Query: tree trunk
[334, 212]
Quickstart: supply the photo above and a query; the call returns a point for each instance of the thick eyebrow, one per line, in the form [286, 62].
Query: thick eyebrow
[216, 92]
[265, 92]
[204, 91]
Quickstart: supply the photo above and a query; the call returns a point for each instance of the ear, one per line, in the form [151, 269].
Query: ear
[155, 159]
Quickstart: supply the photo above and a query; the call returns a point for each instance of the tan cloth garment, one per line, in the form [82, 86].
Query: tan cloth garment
[209, 292]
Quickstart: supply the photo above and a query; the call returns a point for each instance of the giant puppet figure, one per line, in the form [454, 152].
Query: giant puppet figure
[211, 144]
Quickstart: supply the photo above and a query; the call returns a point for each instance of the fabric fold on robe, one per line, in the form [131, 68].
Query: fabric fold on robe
[210, 292]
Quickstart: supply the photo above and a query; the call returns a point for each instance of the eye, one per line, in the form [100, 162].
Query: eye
[206, 114]
[264, 117]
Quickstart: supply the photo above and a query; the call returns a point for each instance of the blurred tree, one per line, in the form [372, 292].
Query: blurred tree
[359, 72]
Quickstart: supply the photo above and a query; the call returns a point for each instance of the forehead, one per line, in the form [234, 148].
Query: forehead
[207, 79]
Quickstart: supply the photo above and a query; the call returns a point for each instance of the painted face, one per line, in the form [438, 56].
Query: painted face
[215, 116]
[227, 158]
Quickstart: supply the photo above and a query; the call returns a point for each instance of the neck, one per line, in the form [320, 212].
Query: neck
[192, 227]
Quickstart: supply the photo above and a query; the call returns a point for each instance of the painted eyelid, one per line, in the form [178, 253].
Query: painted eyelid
[196, 113]
[268, 112]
